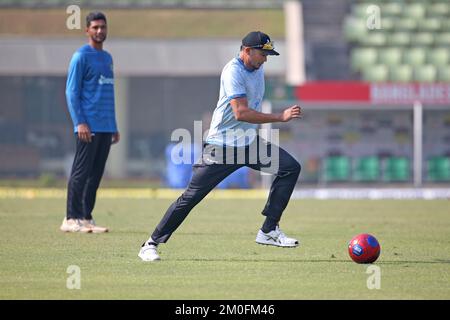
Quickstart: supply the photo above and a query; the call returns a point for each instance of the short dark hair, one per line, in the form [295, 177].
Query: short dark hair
[97, 15]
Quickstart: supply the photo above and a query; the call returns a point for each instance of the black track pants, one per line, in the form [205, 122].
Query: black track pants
[207, 174]
[87, 171]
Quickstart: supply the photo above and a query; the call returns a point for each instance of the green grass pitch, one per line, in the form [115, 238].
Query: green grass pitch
[213, 254]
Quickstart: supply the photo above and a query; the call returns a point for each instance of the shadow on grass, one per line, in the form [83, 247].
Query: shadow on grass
[437, 261]
[258, 260]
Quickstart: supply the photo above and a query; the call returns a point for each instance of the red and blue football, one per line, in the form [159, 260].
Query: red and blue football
[364, 248]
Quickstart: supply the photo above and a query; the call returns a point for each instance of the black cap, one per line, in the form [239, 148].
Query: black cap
[259, 40]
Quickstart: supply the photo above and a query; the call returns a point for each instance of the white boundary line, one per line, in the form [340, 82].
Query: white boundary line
[172, 194]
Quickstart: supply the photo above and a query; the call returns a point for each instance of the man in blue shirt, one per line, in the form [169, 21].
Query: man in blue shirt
[90, 100]
[233, 133]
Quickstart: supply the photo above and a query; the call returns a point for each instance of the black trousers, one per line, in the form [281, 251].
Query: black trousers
[87, 171]
[210, 172]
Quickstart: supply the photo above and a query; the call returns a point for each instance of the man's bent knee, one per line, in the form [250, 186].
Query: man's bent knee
[297, 168]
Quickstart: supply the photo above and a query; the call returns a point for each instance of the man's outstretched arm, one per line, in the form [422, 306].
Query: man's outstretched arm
[243, 113]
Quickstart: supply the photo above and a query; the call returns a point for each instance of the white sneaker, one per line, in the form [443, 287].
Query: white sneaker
[149, 252]
[276, 238]
[74, 225]
[95, 228]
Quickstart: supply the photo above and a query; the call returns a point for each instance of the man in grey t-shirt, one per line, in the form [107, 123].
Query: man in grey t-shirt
[233, 133]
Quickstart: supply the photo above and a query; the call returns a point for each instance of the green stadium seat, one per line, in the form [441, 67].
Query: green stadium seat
[367, 169]
[337, 168]
[387, 24]
[374, 38]
[362, 57]
[390, 56]
[396, 169]
[405, 24]
[414, 56]
[414, 11]
[440, 10]
[442, 39]
[438, 56]
[425, 73]
[354, 29]
[375, 73]
[444, 74]
[359, 10]
[422, 39]
[438, 169]
[391, 9]
[445, 25]
[399, 38]
[402, 73]
[429, 24]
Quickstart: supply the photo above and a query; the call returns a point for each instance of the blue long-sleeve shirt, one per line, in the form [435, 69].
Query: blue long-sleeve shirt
[90, 90]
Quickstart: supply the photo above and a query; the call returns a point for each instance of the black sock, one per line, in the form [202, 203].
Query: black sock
[269, 225]
[150, 243]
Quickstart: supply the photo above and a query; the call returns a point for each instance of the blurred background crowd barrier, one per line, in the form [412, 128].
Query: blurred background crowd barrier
[373, 78]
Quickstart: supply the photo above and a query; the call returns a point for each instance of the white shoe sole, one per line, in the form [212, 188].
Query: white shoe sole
[144, 258]
[75, 231]
[275, 244]
[96, 230]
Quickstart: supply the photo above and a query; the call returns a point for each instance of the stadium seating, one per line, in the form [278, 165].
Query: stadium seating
[372, 169]
[439, 57]
[390, 56]
[412, 41]
[367, 169]
[401, 73]
[444, 74]
[377, 73]
[425, 73]
[336, 168]
[362, 57]
[438, 169]
[415, 56]
[397, 169]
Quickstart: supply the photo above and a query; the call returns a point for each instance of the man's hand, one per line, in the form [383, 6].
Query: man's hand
[115, 138]
[84, 133]
[290, 113]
